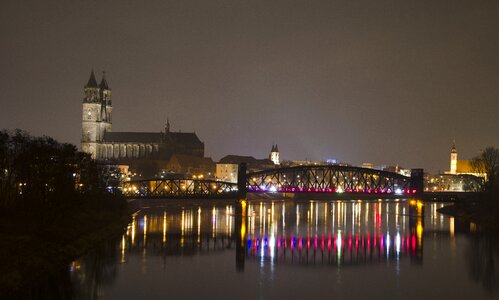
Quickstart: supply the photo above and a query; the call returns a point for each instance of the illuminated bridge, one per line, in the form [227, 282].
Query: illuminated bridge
[180, 188]
[326, 179]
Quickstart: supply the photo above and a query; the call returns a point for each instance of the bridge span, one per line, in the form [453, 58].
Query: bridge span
[330, 180]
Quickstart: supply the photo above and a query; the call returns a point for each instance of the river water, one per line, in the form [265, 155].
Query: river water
[386, 249]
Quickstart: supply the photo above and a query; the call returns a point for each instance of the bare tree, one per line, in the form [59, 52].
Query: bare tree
[487, 163]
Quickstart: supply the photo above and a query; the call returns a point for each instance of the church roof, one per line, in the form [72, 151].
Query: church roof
[235, 159]
[133, 137]
[185, 138]
[188, 139]
[91, 81]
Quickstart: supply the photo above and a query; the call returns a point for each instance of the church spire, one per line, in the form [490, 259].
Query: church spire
[103, 83]
[91, 81]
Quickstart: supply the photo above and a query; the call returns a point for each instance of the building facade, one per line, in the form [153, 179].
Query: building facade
[102, 143]
[227, 172]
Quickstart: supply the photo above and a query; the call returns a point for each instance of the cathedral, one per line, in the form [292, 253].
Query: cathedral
[102, 143]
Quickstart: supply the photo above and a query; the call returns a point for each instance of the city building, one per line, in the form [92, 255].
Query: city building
[226, 172]
[453, 183]
[202, 167]
[367, 165]
[102, 143]
[252, 164]
[397, 169]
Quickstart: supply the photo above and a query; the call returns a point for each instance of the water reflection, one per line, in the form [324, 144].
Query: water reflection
[270, 235]
[327, 232]
[338, 233]
[93, 271]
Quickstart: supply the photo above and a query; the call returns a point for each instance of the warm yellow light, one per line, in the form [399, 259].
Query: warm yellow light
[419, 230]
[420, 204]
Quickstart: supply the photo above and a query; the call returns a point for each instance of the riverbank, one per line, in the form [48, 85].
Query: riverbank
[482, 210]
[32, 249]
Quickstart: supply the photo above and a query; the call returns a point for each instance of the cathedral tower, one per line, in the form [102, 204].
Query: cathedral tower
[453, 159]
[106, 106]
[96, 114]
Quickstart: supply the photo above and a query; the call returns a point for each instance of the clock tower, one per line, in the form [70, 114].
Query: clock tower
[453, 160]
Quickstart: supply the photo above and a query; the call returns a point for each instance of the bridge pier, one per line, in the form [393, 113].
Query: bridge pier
[417, 182]
[241, 180]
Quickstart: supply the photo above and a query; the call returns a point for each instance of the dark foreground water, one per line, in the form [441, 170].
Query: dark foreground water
[290, 250]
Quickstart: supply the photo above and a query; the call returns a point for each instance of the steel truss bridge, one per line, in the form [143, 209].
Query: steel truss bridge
[180, 188]
[328, 179]
[332, 179]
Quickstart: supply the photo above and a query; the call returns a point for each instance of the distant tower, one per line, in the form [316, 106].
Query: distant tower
[453, 159]
[96, 115]
[167, 126]
[274, 154]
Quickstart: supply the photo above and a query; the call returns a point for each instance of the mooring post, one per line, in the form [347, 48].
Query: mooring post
[241, 180]
[417, 182]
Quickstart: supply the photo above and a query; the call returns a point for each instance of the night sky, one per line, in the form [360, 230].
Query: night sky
[388, 82]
